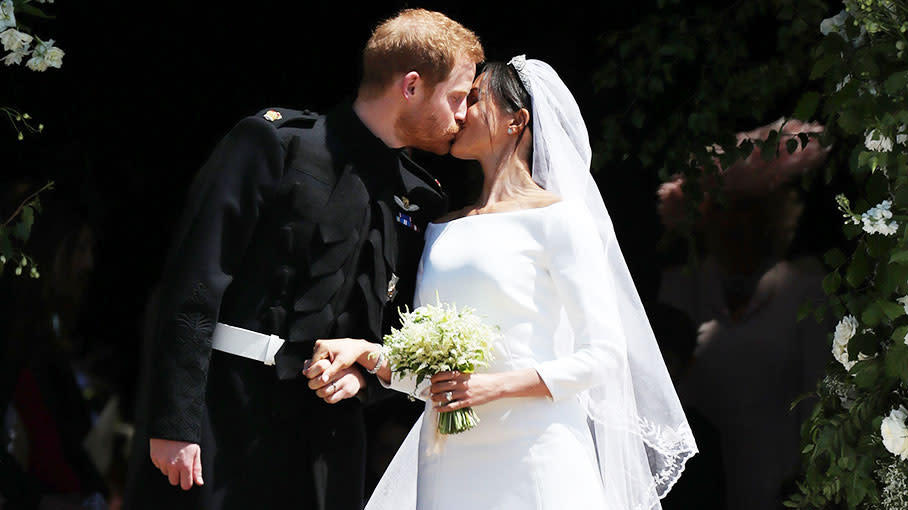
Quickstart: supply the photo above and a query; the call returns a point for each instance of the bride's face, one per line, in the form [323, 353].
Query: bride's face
[484, 128]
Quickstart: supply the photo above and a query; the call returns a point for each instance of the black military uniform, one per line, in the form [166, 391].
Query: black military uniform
[305, 227]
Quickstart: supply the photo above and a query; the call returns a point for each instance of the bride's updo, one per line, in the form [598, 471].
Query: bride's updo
[501, 83]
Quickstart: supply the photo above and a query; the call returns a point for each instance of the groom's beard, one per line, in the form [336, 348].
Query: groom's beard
[426, 132]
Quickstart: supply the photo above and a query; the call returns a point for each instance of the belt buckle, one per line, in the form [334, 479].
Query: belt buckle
[274, 344]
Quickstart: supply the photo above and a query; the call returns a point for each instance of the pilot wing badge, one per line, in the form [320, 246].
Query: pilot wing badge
[405, 204]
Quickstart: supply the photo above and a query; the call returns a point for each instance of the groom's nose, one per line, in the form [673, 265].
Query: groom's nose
[461, 114]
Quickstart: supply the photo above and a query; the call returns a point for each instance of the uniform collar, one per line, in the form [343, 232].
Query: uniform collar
[356, 138]
[384, 166]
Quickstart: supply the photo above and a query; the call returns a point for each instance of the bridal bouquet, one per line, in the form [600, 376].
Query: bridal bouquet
[438, 338]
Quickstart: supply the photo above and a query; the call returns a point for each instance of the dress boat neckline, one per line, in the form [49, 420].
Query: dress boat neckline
[500, 213]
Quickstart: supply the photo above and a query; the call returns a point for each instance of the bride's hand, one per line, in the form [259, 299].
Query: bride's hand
[455, 390]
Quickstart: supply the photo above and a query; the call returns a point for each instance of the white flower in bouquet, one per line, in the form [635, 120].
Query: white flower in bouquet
[895, 433]
[904, 302]
[895, 489]
[7, 15]
[875, 219]
[835, 23]
[54, 57]
[45, 55]
[875, 141]
[844, 331]
[844, 391]
[901, 137]
[439, 338]
[14, 40]
[14, 58]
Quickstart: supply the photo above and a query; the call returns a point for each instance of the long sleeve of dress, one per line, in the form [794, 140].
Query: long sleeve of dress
[408, 385]
[578, 267]
[223, 208]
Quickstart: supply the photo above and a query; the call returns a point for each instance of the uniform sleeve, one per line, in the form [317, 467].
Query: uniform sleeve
[578, 265]
[223, 208]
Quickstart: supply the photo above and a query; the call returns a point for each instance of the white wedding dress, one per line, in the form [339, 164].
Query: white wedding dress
[521, 270]
[613, 436]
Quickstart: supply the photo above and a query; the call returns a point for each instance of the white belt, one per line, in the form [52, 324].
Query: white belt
[245, 343]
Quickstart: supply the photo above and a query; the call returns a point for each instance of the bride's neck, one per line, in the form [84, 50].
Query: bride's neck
[505, 178]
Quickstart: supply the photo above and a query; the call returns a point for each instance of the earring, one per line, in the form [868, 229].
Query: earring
[511, 130]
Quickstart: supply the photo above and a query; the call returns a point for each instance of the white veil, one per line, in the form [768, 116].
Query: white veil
[641, 433]
[642, 436]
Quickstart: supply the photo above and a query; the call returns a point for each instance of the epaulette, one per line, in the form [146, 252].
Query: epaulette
[285, 117]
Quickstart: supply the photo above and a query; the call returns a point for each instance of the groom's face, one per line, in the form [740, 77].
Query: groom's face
[433, 122]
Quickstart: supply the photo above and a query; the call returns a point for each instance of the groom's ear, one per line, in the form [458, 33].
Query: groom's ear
[410, 85]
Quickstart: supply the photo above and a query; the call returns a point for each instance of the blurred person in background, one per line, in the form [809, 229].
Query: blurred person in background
[43, 463]
[753, 358]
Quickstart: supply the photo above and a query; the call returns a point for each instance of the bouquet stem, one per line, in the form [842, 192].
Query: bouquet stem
[455, 422]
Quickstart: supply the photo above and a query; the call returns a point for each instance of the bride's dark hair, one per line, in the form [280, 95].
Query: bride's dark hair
[502, 82]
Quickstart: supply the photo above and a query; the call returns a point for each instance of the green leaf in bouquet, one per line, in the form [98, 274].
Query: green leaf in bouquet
[831, 282]
[896, 82]
[899, 257]
[871, 316]
[868, 160]
[791, 145]
[867, 373]
[34, 11]
[859, 268]
[879, 246]
[804, 138]
[28, 216]
[897, 359]
[850, 121]
[899, 334]
[770, 147]
[855, 303]
[806, 107]
[819, 313]
[835, 258]
[802, 397]
[21, 231]
[889, 277]
[6, 246]
[864, 343]
[823, 64]
[890, 309]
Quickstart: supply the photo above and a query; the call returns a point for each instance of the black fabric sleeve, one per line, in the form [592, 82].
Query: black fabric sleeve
[223, 208]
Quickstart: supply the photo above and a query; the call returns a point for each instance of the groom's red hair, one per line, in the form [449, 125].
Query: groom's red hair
[427, 42]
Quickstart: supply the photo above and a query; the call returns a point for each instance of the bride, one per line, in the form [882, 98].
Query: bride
[576, 409]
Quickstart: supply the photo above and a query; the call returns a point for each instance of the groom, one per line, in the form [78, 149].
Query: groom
[299, 226]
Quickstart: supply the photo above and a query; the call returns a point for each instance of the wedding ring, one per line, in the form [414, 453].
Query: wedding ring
[449, 396]
[333, 387]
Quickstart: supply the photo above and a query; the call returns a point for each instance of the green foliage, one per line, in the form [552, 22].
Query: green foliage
[686, 78]
[21, 122]
[861, 68]
[14, 233]
[19, 46]
[685, 81]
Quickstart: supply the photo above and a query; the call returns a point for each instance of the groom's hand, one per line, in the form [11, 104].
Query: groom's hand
[344, 383]
[179, 461]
